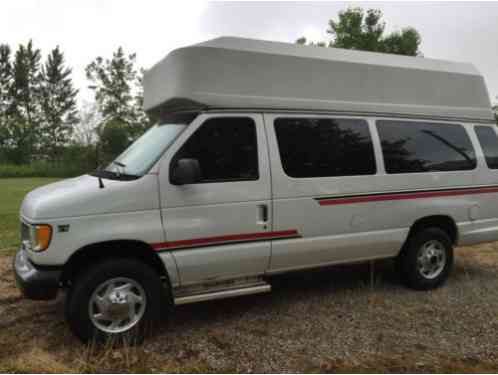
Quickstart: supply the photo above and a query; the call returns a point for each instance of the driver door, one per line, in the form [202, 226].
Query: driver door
[219, 227]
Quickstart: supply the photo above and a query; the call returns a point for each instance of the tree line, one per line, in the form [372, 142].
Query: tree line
[37, 102]
[39, 114]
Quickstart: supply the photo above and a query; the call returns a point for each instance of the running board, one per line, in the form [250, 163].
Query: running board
[265, 288]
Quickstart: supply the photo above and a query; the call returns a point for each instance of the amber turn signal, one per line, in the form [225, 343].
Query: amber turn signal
[42, 237]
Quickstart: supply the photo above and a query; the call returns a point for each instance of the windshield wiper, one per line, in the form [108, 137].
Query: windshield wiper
[116, 174]
[119, 164]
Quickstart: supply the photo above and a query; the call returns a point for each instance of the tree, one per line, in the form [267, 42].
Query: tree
[117, 86]
[23, 127]
[303, 41]
[58, 103]
[404, 42]
[86, 130]
[114, 139]
[141, 118]
[5, 89]
[358, 30]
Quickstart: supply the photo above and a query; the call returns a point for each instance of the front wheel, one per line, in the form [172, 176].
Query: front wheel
[117, 299]
[426, 259]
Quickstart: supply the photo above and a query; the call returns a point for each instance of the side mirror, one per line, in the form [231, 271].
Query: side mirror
[185, 171]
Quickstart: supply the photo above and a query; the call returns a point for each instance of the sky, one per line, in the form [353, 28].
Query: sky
[85, 29]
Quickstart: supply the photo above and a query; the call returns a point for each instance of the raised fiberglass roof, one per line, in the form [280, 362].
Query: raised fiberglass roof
[253, 74]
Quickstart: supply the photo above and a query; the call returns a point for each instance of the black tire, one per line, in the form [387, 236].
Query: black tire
[158, 300]
[408, 264]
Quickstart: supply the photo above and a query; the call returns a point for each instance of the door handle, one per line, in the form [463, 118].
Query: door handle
[263, 215]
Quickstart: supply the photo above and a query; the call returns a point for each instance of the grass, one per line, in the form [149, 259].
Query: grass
[93, 360]
[42, 169]
[12, 192]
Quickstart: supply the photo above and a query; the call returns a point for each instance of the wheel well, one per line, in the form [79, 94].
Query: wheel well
[87, 255]
[445, 223]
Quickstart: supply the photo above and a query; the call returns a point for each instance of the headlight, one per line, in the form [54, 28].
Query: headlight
[40, 237]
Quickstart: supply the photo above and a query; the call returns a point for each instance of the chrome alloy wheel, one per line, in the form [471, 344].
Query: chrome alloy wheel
[117, 305]
[431, 259]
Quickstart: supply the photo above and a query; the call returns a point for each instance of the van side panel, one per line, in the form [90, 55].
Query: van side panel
[215, 230]
[351, 218]
[123, 210]
[482, 224]
[142, 226]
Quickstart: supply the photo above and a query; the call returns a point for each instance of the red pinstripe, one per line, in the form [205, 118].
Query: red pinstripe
[225, 239]
[401, 196]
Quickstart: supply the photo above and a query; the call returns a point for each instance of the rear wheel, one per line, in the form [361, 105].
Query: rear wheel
[118, 300]
[426, 259]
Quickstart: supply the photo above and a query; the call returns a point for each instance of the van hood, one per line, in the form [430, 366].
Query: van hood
[82, 196]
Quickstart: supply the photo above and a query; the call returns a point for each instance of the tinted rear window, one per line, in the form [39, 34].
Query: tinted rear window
[489, 144]
[325, 147]
[410, 147]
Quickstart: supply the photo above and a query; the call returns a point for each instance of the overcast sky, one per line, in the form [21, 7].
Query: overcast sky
[85, 29]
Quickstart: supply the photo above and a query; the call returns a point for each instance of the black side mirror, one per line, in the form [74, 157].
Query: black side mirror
[185, 171]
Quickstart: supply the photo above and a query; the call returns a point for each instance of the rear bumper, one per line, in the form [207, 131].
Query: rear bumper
[35, 282]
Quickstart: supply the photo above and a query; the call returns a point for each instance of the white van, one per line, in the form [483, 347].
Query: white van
[267, 158]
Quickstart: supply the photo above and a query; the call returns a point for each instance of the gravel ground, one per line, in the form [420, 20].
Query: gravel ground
[334, 320]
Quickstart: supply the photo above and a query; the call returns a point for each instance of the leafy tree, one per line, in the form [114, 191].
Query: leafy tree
[404, 42]
[58, 103]
[25, 108]
[358, 30]
[113, 139]
[117, 86]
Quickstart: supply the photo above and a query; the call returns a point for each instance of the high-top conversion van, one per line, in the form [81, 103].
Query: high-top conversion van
[267, 158]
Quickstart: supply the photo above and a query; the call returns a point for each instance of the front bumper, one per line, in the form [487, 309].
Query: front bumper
[37, 283]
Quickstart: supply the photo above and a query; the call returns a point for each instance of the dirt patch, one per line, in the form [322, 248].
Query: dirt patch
[328, 321]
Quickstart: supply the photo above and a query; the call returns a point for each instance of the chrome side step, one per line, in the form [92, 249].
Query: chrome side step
[263, 288]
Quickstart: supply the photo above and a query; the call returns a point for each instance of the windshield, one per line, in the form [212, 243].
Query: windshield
[139, 157]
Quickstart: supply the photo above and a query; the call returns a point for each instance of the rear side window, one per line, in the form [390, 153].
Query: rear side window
[226, 148]
[489, 144]
[325, 147]
[410, 147]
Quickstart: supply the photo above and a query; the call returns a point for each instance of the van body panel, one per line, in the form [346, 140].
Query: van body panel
[82, 196]
[142, 226]
[171, 268]
[220, 263]
[302, 203]
[314, 252]
[216, 214]
[248, 74]
[122, 210]
[478, 231]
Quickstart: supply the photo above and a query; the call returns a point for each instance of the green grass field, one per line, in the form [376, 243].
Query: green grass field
[12, 192]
